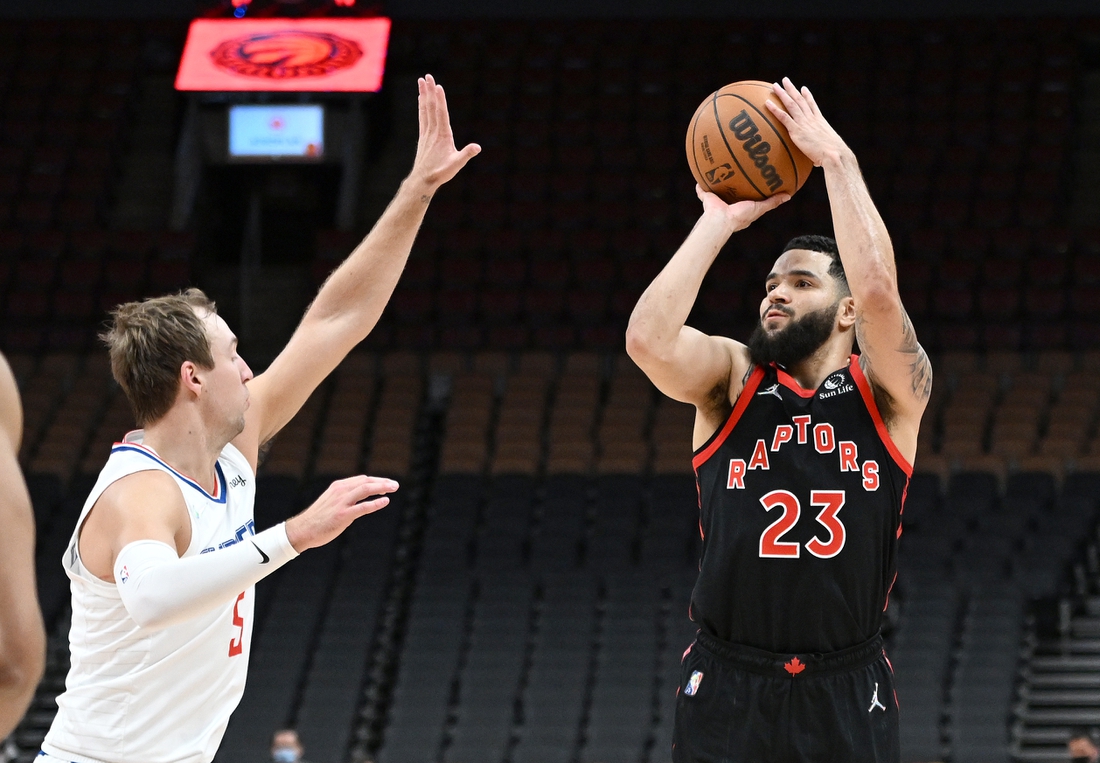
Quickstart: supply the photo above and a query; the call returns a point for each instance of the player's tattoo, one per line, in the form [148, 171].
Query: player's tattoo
[920, 368]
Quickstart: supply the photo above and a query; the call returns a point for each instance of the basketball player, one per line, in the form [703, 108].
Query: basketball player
[22, 637]
[802, 458]
[165, 556]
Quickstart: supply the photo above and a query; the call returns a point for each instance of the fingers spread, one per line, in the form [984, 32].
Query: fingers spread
[794, 100]
[810, 100]
[783, 96]
[780, 114]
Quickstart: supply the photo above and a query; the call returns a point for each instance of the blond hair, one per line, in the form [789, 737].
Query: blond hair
[148, 342]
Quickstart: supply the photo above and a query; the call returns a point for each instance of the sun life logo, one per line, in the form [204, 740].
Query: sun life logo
[836, 385]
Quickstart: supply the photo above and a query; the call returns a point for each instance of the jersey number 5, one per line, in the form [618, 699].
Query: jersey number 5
[236, 646]
[830, 502]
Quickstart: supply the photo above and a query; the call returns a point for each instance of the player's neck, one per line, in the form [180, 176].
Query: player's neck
[187, 445]
[831, 356]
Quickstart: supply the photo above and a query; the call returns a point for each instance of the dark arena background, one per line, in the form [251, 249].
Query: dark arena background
[524, 598]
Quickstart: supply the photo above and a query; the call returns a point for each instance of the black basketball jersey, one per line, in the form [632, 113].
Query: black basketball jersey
[800, 497]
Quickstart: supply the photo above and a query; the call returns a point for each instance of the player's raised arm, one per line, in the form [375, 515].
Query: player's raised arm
[22, 637]
[351, 301]
[891, 354]
[682, 362]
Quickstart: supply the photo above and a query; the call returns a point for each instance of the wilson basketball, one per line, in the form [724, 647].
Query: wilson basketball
[738, 150]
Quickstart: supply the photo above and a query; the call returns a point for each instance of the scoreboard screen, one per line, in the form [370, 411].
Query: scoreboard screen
[285, 55]
[259, 132]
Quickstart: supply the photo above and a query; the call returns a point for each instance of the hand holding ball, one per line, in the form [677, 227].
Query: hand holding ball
[738, 150]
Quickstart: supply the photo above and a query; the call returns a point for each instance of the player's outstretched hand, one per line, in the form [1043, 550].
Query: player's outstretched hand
[740, 214]
[809, 130]
[342, 503]
[437, 159]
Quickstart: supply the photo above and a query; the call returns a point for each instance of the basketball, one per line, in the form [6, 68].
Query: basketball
[737, 149]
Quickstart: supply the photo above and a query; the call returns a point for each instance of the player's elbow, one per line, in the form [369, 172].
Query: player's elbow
[151, 618]
[647, 336]
[636, 344]
[148, 611]
[877, 291]
[22, 662]
[642, 346]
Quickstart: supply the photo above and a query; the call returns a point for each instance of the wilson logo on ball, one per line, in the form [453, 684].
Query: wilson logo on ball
[738, 151]
[745, 130]
[286, 55]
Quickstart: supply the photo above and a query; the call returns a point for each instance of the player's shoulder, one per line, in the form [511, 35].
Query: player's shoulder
[144, 481]
[141, 491]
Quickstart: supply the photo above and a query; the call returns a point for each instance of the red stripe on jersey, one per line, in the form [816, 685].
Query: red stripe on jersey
[789, 382]
[742, 403]
[156, 456]
[869, 400]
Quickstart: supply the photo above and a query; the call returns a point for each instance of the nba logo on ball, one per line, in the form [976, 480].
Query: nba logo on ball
[693, 684]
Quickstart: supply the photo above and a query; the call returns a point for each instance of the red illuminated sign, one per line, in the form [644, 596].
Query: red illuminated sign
[293, 55]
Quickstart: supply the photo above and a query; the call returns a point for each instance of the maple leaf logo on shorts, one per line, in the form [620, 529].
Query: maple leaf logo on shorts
[794, 667]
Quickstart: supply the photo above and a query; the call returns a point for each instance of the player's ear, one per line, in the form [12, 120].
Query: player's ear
[190, 378]
[846, 313]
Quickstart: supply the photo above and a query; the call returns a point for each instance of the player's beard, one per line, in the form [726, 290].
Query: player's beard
[799, 340]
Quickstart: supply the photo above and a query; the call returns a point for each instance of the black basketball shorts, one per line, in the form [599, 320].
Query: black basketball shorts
[737, 704]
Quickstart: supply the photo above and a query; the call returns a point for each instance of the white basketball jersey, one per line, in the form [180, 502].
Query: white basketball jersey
[142, 695]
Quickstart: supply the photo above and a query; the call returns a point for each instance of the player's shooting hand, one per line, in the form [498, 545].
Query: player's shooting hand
[808, 128]
[437, 159]
[343, 502]
[740, 214]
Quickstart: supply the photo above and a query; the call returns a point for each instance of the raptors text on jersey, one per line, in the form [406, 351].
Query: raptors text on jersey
[800, 495]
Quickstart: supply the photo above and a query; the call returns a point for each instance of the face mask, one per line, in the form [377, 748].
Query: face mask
[285, 755]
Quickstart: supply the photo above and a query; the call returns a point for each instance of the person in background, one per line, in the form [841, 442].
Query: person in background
[1082, 747]
[286, 747]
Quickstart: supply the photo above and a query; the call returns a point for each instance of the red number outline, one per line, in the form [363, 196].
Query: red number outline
[770, 545]
[237, 646]
[832, 502]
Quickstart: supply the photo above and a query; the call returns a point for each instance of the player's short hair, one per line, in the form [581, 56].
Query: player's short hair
[149, 340]
[1082, 732]
[825, 245]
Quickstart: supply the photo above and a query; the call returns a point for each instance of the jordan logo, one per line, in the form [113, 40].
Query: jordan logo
[875, 703]
[772, 390]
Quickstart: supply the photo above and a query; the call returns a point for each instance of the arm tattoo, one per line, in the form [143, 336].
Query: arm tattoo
[920, 369]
